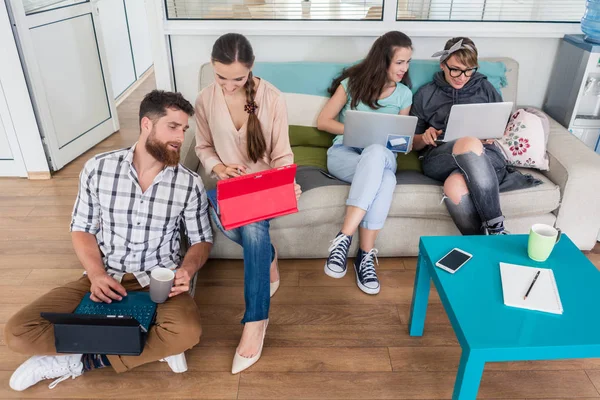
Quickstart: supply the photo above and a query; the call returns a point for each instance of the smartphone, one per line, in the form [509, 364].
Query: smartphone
[452, 261]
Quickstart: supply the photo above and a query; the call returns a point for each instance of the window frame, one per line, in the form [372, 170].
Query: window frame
[484, 20]
[166, 14]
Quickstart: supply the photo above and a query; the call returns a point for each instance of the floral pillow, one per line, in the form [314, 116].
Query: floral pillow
[525, 138]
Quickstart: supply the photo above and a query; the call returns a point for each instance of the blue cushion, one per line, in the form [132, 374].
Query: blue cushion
[314, 78]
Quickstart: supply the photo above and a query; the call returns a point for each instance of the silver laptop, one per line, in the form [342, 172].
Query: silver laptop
[483, 121]
[363, 128]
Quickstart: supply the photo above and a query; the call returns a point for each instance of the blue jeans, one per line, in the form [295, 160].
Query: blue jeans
[258, 253]
[372, 174]
[482, 173]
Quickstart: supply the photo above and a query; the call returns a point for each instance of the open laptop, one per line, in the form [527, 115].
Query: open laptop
[483, 121]
[100, 328]
[363, 128]
[255, 197]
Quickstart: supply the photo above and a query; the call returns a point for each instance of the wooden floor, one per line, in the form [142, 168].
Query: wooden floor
[326, 339]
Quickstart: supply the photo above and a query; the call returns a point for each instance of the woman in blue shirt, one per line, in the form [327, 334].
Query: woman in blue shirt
[379, 84]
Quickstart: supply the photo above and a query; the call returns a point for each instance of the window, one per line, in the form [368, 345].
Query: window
[492, 10]
[276, 9]
[36, 6]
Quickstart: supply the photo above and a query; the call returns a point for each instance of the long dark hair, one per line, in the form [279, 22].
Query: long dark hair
[228, 49]
[367, 78]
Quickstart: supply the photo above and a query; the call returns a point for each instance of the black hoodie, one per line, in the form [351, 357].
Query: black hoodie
[432, 102]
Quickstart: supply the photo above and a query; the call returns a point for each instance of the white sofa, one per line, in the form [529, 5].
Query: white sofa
[568, 198]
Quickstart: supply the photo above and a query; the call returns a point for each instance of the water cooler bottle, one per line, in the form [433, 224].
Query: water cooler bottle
[573, 97]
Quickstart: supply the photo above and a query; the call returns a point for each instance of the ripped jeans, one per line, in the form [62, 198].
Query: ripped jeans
[482, 173]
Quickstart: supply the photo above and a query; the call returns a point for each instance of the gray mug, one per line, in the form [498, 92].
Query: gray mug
[161, 282]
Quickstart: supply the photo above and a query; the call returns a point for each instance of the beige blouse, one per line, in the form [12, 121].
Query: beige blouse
[218, 141]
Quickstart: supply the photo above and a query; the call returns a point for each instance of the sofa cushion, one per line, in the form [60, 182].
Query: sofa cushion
[425, 200]
[309, 136]
[310, 145]
[409, 162]
[417, 196]
[310, 156]
[314, 78]
[525, 138]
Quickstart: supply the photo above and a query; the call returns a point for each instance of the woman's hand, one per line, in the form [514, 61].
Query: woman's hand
[229, 171]
[430, 136]
[298, 190]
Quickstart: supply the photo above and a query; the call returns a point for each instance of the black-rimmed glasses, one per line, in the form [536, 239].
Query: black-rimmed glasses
[455, 72]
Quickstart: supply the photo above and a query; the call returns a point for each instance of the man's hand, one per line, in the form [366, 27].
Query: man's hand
[105, 288]
[430, 136]
[298, 190]
[229, 171]
[181, 284]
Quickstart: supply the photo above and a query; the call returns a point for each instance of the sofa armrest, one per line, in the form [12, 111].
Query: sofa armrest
[575, 168]
[190, 160]
[188, 155]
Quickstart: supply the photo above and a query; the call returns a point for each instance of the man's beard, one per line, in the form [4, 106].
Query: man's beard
[161, 151]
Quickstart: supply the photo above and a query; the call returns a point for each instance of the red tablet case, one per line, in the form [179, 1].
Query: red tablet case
[257, 197]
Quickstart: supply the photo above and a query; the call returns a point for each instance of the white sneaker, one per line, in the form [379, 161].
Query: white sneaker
[39, 368]
[177, 363]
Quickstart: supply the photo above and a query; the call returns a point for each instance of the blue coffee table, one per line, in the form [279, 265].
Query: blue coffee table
[486, 329]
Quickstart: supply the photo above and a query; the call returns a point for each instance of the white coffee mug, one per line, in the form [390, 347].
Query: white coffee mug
[161, 282]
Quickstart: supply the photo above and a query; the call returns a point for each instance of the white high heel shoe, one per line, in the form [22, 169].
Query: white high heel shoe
[241, 363]
[275, 285]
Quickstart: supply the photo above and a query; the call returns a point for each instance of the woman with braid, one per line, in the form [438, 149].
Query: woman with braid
[241, 128]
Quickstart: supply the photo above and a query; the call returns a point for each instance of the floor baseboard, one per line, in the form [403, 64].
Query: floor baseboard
[134, 86]
[38, 175]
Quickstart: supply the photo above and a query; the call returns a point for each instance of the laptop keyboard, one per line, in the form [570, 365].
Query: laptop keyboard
[136, 305]
[143, 314]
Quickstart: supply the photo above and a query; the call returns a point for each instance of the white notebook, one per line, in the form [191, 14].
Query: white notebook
[544, 296]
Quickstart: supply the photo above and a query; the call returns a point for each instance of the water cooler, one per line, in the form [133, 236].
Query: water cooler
[573, 97]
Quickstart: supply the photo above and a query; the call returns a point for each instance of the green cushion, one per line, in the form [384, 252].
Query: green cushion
[310, 156]
[310, 145]
[317, 157]
[309, 136]
[409, 162]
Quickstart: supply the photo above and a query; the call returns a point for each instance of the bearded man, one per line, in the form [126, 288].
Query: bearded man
[126, 222]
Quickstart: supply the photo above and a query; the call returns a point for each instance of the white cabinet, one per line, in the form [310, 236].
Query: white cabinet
[140, 35]
[126, 41]
[116, 45]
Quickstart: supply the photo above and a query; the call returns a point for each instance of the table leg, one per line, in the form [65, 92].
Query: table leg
[468, 377]
[420, 298]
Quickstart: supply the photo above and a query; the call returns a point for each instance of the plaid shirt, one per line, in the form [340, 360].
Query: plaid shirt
[136, 231]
